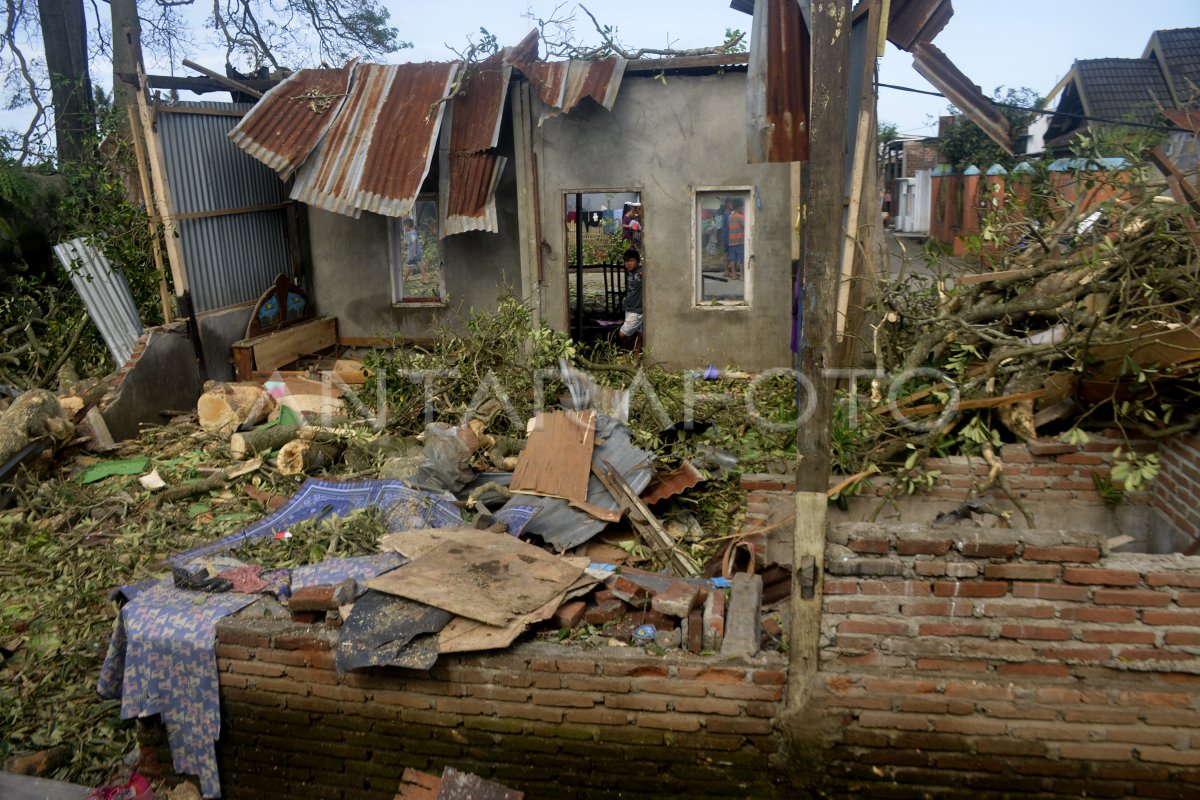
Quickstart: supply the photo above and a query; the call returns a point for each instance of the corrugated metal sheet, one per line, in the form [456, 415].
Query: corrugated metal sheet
[284, 128]
[778, 83]
[911, 22]
[474, 167]
[479, 108]
[471, 205]
[936, 68]
[562, 526]
[562, 85]
[105, 294]
[230, 258]
[377, 152]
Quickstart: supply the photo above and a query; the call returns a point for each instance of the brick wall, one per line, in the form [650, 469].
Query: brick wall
[1177, 488]
[552, 720]
[1008, 661]
[1050, 472]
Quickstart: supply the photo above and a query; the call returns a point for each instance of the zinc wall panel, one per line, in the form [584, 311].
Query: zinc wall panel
[231, 258]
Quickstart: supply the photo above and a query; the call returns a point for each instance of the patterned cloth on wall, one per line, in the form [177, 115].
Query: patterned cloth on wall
[162, 656]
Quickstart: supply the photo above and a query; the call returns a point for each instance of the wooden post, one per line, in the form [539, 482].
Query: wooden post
[139, 152]
[864, 157]
[158, 177]
[818, 329]
[528, 224]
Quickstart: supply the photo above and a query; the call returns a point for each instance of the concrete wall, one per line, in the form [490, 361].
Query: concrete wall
[218, 331]
[350, 268]
[160, 375]
[665, 140]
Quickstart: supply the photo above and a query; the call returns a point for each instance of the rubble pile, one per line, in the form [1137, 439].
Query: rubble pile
[465, 537]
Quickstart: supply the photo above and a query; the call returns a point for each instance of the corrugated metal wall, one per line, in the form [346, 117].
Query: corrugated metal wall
[105, 294]
[232, 258]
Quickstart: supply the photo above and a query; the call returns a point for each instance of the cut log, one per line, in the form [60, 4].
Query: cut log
[301, 456]
[228, 407]
[34, 415]
[250, 443]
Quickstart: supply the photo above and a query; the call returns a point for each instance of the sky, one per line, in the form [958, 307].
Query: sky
[1015, 43]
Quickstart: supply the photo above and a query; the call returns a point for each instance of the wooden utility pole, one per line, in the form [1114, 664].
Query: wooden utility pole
[822, 234]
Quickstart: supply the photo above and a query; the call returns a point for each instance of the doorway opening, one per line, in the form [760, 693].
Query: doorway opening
[599, 227]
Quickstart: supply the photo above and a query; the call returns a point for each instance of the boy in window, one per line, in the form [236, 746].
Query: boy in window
[413, 252]
[631, 330]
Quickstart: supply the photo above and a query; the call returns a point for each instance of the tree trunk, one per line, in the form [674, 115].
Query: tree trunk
[127, 57]
[64, 36]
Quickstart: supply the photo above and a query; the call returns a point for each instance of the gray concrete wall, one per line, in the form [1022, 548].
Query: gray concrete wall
[160, 376]
[218, 331]
[665, 140]
[350, 277]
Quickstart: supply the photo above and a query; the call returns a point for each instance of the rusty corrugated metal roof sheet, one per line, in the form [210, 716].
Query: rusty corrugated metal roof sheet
[479, 108]
[911, 22]
[474, 167]
[936, 68]
[282, 129]
[377, 152]
[562, 85]
[778, 84]
[369, 149]
[471, 205]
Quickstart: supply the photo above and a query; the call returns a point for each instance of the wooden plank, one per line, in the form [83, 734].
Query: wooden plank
[864, 152]
[644, 522]
[189, 83]
[557, 459]
[229, 212]
[139, 152]
[642, 66]
[229, 83]
[273, 350]
[988, 277]
[162, 197]
[205, 112]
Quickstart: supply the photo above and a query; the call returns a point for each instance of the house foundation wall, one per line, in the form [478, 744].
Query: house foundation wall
[1029, 662]
[552, 720]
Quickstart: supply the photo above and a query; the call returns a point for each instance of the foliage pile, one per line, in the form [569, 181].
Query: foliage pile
[1063, 296]
[43, 322]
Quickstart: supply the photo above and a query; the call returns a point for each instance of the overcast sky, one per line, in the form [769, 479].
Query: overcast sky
[1014, 43]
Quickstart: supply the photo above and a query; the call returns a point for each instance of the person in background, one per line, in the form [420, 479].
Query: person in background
[630, 334]
[413, 252]
[735, 248]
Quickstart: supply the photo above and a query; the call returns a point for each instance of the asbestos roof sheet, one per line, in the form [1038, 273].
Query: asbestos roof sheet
[936, 68]
[1131, 89]
[284, 127]
[378, 151]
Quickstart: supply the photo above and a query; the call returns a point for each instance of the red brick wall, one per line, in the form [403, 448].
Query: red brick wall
[1008, 661]
[1062, 476]
[551, 720]
[1177, 488]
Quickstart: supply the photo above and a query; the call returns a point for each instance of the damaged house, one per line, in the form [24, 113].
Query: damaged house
[487, 162]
